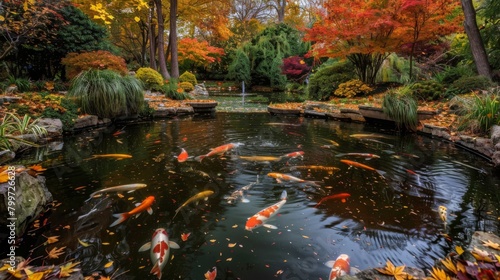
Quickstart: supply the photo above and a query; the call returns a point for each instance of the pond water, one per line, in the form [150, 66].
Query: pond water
[390, 213]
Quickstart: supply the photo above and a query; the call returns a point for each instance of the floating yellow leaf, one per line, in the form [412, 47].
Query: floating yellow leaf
[109, 264]
[490, 244]
[212, 240]
[2, 18]
[234, 226]
[231, 245]
[459, 250]
[52, 239]
[438, 274]
[396, 271]
[229, 259]
[448, 263]
[83, 243]
[305, 236]
[67, 269]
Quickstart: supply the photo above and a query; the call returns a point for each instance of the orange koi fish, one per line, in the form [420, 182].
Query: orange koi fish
[341, 196]
[365, 155]
[340, 267]
[262, 216]
[211, 273]
[360, 165]
[115, 156]
[294, 155]
[183, 156]
[159, 250]
[280, 176]
[218, 151]
[315, 167]
[140, 207]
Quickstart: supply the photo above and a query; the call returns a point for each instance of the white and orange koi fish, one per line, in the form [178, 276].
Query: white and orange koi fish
[219, 150]
[159, 250]
[183, 156]
[211, 274]
[140, 207]
[284, 177]
[340, 267]
[294, 155]
[262, 216]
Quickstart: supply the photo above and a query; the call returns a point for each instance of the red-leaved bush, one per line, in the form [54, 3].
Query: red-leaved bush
[78, 62]
[295, 68]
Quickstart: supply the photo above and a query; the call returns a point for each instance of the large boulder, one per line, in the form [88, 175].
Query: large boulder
[27, 197]
[6, 156]
[54, 127]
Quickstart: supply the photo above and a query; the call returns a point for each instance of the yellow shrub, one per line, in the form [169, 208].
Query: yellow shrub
[352, 88]
[151, 78]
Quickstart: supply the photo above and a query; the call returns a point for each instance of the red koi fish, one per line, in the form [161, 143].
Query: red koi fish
[218, 151]
[183, 156]
[360, 165]
[340, 267]
[341, 196]
[140, 207]
[159, 250]
[294, 155]
[284, 177]
[262, 216]
[211, 273]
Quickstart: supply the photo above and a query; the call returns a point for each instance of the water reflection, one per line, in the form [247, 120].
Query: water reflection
[390, 213]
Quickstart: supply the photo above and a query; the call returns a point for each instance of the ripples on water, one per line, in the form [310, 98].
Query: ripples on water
[389, 217]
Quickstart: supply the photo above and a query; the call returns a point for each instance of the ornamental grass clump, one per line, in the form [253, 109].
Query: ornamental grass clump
[106, 93]
[479, 113]
[13, 127]
[401, 106]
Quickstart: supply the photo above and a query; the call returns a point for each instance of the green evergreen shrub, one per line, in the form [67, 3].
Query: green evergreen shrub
[468, 84]
[327, 78]
[451, 74]
[151, 78]
[428, 90]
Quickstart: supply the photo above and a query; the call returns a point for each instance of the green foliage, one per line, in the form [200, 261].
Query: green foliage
[67, 116]
[352, 88]
[451, 74]
[22, 84]
[327, 78]
[188, 77]
[186, 86]
[428, 90]
[99, 60]
[106, 94]
[401, 106]
[239, 69]
[267, 50]
[468, 84]
[151, 78]
[395, 69]
[480, 113]
[173, 90]
[13, 127]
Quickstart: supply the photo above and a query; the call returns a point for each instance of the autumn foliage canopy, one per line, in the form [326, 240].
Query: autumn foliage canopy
[366, 31]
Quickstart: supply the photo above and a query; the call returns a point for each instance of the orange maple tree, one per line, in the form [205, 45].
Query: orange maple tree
[367, 31]
[193, 52]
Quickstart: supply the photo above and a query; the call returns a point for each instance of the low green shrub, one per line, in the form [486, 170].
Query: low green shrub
[67, 114]
[151, 78]
[451, 74]
[352, 88]
[479, 113]
[188, 77]
[428, 90]
[468, 84]
[401, 106]
[324, 82]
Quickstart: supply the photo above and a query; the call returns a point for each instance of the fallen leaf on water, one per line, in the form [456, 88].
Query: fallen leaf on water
[185, 236]
[83, 243]
[37, 168]
[231, 245]
[234, 226]
[396, 271]
[229, 259]
[490, 244]
[105, 243]
[305, 236]
[212, 240]
[55, 253]
[67, 269]
[109, 264]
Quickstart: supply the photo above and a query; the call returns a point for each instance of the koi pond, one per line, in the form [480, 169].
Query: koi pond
[356, 189]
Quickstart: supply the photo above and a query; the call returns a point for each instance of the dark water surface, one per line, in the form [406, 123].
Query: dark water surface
[391, 213]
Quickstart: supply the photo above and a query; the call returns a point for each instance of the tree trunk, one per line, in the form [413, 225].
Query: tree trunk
[475, 40]
[161, 41]
[174, 54]
[281, 10]
[152, 41]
